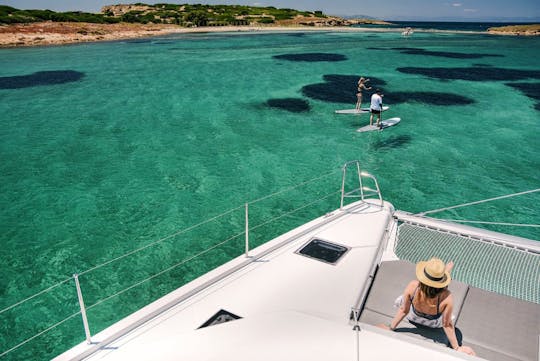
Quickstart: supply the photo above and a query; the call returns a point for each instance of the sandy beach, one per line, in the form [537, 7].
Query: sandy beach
[58, 33]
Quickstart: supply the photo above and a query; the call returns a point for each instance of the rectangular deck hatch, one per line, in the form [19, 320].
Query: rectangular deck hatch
[323, 251]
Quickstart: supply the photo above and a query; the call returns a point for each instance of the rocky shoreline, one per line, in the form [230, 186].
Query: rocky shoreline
[520, 30]
[59, 33]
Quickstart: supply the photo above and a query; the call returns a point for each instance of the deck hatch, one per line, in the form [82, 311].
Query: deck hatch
[323, 251]
[221, 316]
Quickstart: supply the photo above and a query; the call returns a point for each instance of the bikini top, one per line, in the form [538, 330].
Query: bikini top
[422, 314]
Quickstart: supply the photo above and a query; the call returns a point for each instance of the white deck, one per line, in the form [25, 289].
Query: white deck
[278, 336]
[292, 307]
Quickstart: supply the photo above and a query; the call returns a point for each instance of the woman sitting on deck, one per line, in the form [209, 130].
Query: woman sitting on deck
[428, 302]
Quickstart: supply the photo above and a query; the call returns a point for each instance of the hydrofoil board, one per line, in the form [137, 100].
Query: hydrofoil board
[384, 124]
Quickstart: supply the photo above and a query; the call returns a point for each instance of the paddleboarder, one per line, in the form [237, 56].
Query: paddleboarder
[361, 86]
[376, 107]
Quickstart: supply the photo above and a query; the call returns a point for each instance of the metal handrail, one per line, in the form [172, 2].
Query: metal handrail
[361, 192]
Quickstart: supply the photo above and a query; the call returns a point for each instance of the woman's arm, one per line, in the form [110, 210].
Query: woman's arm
[403, 309]
[450, 330]
[400, 314]
[448, 325]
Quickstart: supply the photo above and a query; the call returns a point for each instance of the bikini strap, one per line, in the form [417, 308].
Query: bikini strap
[414, 293]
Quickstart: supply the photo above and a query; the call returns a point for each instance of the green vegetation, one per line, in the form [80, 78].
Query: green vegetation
[182, 14]
[9, 15]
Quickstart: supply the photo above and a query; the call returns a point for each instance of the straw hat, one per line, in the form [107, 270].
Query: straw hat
[433, 273]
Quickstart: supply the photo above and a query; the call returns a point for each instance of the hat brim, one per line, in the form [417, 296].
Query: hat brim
[421, 276]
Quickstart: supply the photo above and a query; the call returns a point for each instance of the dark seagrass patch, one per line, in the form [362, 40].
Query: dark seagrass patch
[40, 78]
[433, 98]
[339, 88]
[446, 54]
[473, 73]
[392, 142]
[531, 90]
[311, 57]
[293, 105]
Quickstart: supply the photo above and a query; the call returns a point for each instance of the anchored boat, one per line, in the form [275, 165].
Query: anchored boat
[319, 291]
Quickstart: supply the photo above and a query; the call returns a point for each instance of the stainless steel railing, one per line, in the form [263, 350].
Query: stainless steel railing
[362, 192]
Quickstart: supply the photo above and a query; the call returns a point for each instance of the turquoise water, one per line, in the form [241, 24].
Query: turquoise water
[109, 147]
[442, 25]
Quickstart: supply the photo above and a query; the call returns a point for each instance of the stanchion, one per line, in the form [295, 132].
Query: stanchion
[83, 309]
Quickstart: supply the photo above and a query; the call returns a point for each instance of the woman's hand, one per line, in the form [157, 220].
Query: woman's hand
[467, 350]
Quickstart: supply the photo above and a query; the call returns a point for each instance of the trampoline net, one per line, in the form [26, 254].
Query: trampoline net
[481, 263]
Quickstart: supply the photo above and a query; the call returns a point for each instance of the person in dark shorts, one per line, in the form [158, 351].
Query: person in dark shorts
[376, 107]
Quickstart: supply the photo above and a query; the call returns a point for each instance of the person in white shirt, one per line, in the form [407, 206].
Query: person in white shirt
[376, 107]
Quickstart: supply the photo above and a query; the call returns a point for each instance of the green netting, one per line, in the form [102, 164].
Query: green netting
[481, 264]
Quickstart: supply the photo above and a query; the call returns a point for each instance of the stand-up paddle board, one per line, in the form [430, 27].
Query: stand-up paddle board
[384, 124]
[356, 111]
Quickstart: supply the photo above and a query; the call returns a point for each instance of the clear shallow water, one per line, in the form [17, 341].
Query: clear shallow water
[108, 147]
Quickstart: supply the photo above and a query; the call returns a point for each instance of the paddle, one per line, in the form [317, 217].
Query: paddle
[380, 115]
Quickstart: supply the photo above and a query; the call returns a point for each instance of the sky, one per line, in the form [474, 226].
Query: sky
[421, 10]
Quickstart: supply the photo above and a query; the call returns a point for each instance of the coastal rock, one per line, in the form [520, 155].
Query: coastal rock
[119, 10]
[55, 33]
[525, 30]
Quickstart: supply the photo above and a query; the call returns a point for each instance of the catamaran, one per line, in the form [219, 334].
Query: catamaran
[320, 291]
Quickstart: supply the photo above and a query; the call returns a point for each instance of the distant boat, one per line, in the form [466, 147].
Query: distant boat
[408, 31]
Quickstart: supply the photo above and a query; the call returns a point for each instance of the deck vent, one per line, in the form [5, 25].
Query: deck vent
[323, 251]
[221, 316]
